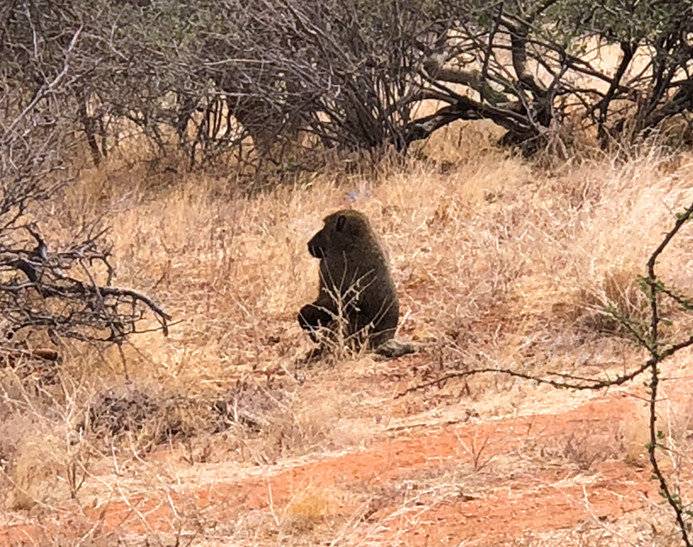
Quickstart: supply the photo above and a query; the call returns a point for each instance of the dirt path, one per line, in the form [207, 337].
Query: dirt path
[519, 498]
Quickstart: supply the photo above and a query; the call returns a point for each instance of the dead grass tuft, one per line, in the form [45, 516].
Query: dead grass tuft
[297, 426]
[34, 474]
[616, 298]
[312, 507]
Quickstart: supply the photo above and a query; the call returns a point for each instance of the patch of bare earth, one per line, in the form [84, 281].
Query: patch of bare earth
[421, 480]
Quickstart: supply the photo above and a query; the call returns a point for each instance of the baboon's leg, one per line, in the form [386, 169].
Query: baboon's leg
[312, 317]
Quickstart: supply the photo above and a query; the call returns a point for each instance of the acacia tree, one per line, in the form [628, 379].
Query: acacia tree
[525, 65]
[64, 288]
[350, 73]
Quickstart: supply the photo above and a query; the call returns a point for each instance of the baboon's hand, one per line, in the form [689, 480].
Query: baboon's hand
[311, 318]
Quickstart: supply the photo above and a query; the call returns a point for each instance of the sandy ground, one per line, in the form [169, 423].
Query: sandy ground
[425, 479]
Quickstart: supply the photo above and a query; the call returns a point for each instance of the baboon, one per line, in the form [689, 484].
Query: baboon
[356, 287]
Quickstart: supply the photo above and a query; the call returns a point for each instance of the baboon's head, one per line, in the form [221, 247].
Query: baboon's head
[343, 230]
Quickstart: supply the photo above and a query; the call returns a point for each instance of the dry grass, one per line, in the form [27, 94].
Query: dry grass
[312, 507]
[497, 260]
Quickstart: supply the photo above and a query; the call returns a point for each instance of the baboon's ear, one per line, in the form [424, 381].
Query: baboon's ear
[341, 222]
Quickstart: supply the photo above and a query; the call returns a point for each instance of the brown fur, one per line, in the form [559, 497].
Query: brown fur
[355, 283]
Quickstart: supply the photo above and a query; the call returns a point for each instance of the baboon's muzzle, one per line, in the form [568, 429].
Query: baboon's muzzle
[314, 249]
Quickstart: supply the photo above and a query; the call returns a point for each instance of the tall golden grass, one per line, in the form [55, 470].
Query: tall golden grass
[498, 259]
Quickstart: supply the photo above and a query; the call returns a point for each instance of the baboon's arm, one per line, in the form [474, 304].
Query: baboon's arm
[316, 315]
